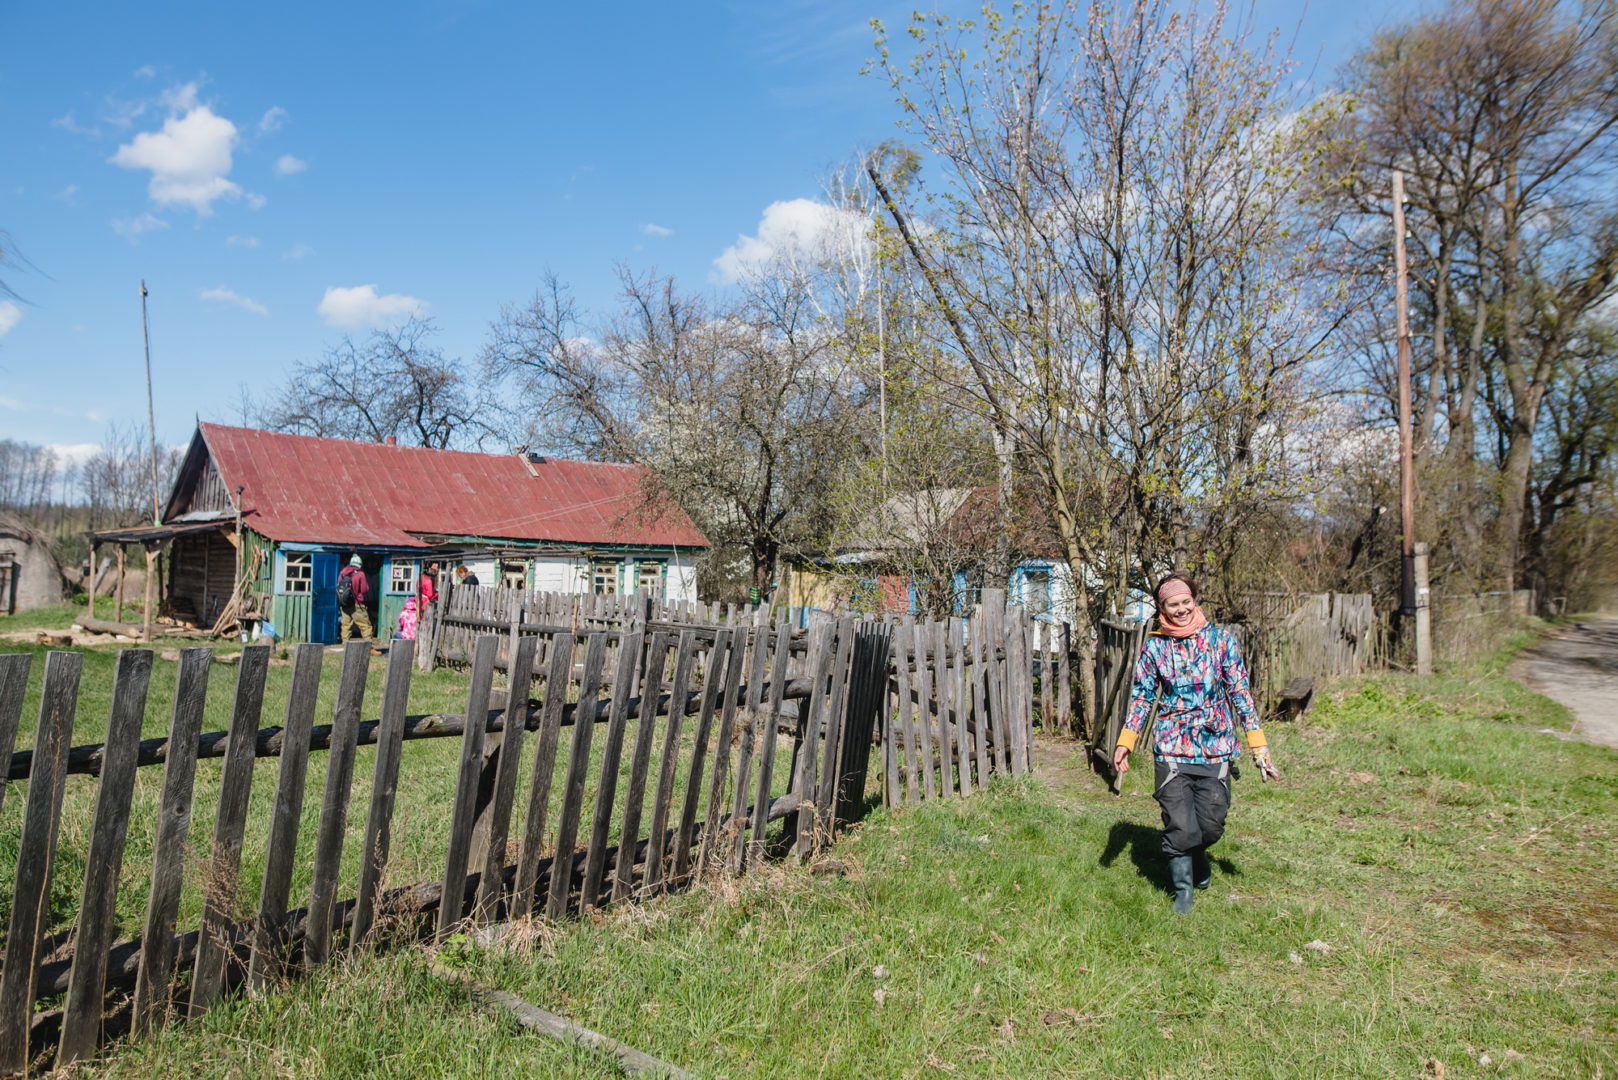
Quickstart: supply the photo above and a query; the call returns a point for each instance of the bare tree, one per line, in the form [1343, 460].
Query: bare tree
[392, 384]
[1504, 115]
[1120, 267]
[739, 411]
[115, 483]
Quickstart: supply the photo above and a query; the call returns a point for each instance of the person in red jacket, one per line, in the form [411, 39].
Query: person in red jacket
[427, 589]
[353, 598]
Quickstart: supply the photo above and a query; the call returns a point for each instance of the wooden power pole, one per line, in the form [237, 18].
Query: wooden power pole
[1407, 460]
[1413, 601]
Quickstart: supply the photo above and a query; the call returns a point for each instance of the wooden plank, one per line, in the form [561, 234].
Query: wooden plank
[924, 706]
[769, 731]
[958, 702]
[811, 720]
[595, 862]
[266, 958]
[718, 662]
[168, 847]
[994, 611]
[904, 644]
[494, 824]
[36, 852]
[469, 771]
[334, 801]
[1018, 676]
[979, 691]
[867, 676]
[734, 674]
[384, 789]
[657, 659]
[13, 688]
[578, 769]
[558, 674]
[752, 728]
[656, 851]
[890, 734]
[833, 725]
[216, 947]
[941, 689]
[629, 1060]
[1064, 680]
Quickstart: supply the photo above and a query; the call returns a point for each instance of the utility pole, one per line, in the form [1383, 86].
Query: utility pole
[1407, 463]
[148, 615]
[151, 425]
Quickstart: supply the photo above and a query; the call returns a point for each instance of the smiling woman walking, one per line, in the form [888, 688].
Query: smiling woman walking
[1194, 673]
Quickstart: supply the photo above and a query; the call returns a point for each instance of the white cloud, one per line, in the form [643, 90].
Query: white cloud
[131, 228]
[66, 194]
[656, 230]
[297, 251]
[9, 402]
[231, 296]
[272, 120]
[286, 165]
[797, 231]
[74, 453]
[145, 71]
[189, 158]
[361, 306]
[241, 241]
[256, 202]
[70, 123]
[10, 316]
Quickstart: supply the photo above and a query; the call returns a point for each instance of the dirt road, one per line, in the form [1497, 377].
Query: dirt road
[1580, 669]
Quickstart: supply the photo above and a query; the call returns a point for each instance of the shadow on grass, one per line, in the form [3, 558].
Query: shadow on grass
[1145, 846]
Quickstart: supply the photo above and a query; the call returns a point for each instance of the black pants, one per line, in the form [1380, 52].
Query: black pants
[1195, 799]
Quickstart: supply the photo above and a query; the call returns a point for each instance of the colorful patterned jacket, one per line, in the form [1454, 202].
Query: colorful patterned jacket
[1194, 682]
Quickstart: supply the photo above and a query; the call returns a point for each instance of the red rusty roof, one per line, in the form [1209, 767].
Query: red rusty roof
[337, 491]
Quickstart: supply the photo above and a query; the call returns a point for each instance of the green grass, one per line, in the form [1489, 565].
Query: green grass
[418, 839]
[421, 818]
[1432, 880]
[62, 616]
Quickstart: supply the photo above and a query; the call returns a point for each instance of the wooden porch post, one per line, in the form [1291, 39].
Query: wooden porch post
[118, 600]
[152, 548]
[90, 581]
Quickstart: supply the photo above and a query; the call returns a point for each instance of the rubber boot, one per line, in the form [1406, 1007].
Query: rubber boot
[1201, 868]
[1180, 875]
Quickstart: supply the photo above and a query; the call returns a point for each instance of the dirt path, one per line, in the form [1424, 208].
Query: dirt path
[1579, 668]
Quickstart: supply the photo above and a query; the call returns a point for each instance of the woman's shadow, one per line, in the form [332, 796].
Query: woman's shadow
[1145, 845]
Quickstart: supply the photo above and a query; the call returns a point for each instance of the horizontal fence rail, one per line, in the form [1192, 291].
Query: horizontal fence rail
[627, 757]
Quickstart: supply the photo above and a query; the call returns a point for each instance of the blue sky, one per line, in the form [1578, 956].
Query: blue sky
[283, 174]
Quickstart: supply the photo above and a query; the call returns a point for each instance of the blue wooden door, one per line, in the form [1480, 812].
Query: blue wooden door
[323, 597]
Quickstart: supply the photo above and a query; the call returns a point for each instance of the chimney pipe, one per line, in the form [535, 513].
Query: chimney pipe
[392, 440]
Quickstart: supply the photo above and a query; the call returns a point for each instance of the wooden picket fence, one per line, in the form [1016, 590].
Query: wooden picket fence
[784, 727]
[961, 692]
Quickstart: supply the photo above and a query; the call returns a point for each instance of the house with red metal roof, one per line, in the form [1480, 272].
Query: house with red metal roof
[271, 518]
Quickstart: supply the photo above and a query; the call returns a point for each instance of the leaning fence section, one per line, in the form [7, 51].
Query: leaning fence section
[617, 762]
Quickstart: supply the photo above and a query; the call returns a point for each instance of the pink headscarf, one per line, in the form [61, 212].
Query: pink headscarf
[1195, 620]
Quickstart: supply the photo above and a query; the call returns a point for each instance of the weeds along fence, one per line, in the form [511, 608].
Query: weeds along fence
[1469, 626]
[638, 759]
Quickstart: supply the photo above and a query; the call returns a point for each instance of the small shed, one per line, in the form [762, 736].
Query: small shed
[266, 520]
[30, 575]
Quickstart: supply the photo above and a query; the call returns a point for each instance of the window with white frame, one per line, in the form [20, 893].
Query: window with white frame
[514, 575]
[1036, 590]
[402, 578]
[649, 578]
[604, 577]
[297, 573]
